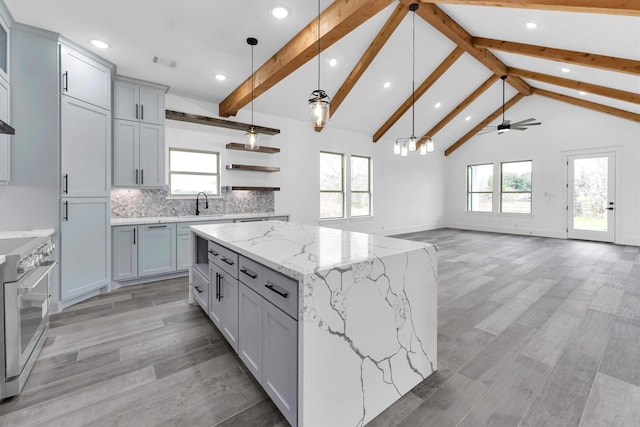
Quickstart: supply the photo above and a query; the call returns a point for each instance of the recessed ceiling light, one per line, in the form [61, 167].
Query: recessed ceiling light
[531, 25]
[99, 44]
[221, 77]
[333, 62]
[583, 93]
[387, 85]
[279, 12]
[565, 70]
[467, 118]
[438, 104]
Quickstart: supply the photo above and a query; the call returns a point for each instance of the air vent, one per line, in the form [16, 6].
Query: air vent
[164, 62]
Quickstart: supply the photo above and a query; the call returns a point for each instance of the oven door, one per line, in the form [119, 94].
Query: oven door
[26, 316]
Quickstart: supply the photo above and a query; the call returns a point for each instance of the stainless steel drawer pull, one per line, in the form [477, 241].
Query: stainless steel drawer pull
[198, 289]
[249, 273]
[157, 226]
[212, 252]
[227, 261]
[277, 289]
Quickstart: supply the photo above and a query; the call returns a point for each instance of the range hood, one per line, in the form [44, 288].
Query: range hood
[6, 128]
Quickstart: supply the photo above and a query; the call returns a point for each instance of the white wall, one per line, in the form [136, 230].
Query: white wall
[407, 192]
[564, 128]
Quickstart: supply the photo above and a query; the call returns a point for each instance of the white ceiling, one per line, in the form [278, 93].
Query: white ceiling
[209, 37]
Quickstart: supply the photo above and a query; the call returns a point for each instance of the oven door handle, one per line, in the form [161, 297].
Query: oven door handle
[42, 271]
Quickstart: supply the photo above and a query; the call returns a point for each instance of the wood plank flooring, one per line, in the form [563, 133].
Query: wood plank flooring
[532, 332]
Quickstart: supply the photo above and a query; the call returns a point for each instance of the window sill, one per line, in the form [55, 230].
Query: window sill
[331, 220]
[361, 218]
[500, 214]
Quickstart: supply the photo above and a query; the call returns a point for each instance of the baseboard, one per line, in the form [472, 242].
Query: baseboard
[628, 242]
[509, 230]
[147, 279]
[405, 230]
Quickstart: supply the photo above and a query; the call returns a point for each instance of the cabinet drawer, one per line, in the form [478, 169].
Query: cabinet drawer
[281, 290]
[250, 273]
[224, 258]
[201, 290]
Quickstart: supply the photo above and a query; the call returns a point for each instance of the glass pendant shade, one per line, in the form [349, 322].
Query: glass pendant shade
[423, 149]
[405, 149]
[412, 143]
[252, 139]
[429, 145]
[318, 109]
[396, 147]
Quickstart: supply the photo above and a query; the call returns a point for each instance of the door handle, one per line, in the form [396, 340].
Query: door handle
[66, 183]
[141, 176]
[65, 81]
[136, 176]
[141, 111]
[227, 261]
[66, 211]
[134, 236]
[157, 226]
[249, 273]
[136, 111]
[277, 289]
[220, 296]
[609, 209]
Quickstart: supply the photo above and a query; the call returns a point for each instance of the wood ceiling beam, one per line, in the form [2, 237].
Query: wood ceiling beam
[614, 7]
[608, 63]
[620, 95]
[433, 77]
[453, 147]
[336, 21]
[442, 22]
[464, 104]
[624, 114]
[369, 55]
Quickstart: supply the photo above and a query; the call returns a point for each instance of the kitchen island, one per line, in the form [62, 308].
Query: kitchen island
[364, 315]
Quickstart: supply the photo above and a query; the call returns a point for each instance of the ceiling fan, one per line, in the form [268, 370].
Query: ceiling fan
[506, 125]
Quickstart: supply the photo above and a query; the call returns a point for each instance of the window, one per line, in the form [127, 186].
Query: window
[331, 185]
[480, 188]
[193, 171]
[515, 187]
[360, 186]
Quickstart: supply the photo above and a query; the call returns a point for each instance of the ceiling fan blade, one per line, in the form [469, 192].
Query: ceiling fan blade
[524, 121]
[517, 128]
[532, 124]
[486, 131]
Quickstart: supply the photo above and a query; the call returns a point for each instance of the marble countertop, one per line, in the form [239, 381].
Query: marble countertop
[299, 250]
[28, 233]
[192, 218]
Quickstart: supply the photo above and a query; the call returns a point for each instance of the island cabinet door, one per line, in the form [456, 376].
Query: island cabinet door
[215, 303]
[229, 298]
[250, 330]
[280, 360]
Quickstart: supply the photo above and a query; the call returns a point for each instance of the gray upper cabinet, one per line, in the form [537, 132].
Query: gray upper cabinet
[136, 101]
[84, 243]
[84, 78]
[138, 154]
[5, 153]
[157, 249]
[125, 252]
[85, 148]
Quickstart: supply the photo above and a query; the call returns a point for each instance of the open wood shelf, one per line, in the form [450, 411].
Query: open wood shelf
[262, 149]
[253, 168]
[235, 187]
[212, 121]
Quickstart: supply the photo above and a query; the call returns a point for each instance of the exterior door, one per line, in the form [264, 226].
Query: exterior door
[591, 196]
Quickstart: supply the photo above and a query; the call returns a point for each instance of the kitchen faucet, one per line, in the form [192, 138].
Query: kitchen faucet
[206, 202]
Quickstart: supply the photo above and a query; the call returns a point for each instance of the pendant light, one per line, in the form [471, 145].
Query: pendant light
[252, 138]
[318, 100]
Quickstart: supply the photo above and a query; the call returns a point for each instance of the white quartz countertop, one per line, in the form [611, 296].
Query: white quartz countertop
[192, 218]
[28, 233]
[299, 250]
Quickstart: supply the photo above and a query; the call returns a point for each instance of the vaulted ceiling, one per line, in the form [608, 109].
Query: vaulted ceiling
[462, 47]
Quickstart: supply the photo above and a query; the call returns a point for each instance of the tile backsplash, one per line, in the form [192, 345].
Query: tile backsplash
[130, 202]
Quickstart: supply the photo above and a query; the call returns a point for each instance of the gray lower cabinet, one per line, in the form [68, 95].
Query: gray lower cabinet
[84, 246]
[201, 290]
[182, 252]
[223, 303]
[250, 330]
[280, 360]
[156, 249]
[125, 252]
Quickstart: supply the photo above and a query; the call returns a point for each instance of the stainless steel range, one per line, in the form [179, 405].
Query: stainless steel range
[25, 303]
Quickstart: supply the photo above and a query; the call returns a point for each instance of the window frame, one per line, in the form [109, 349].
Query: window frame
[368, 191]
[469, 187]
[217, 174]
[342, 191]
[530, 192]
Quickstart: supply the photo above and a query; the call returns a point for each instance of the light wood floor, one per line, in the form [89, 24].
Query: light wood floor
[532, 332]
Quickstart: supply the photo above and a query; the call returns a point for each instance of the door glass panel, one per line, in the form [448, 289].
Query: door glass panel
[590, 187]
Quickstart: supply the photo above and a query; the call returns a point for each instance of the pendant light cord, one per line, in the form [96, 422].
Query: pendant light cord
[318, 44]
[253, 78]
[503, 98]
[413, 80]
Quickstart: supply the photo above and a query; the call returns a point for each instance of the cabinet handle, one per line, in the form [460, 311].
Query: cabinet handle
[277, 289]
[197, 288]
[66, 211]
[65, 81]
[134, 236]
[136, 176]
[141, 176]
[609, 208]
[136, 111]
[249, 273]
[157, 226]
[65, 177]
[212, 252]
[218, 286]
[141, 111]
[227, 261]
